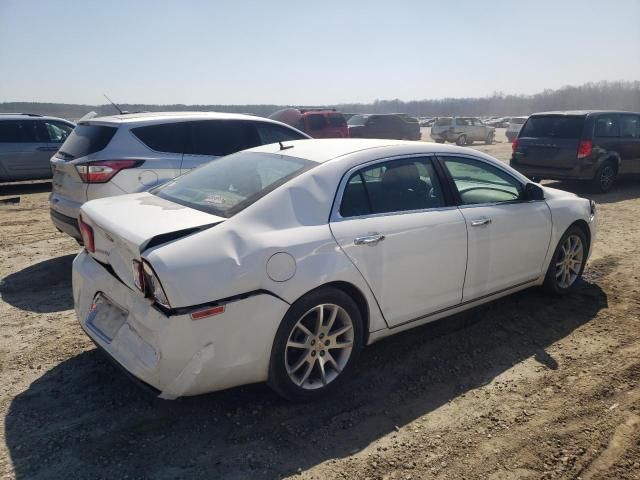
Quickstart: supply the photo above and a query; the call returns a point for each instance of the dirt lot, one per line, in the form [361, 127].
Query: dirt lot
[530, 386]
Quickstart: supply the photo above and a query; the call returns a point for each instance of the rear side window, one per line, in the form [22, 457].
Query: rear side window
[86, 139]
[394, 186]
[316, 121]
[271, 133]
[443, 122]
[554, 126]
[19, 131]
[222, 137]
[630, 126]
[336, 120]
[57, 131]
[166, 137]
[607, 126]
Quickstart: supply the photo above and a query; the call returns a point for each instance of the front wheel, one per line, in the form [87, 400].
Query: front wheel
[461, 141]
[316, 345]
[567, 262]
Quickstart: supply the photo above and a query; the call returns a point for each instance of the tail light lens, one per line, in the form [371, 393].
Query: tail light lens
[584, 149]
[148, 283]
[514, 145]
[104, 170]
[87, 235]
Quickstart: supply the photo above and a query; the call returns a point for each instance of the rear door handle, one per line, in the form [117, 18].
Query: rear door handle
[369, 239]
[478, 222]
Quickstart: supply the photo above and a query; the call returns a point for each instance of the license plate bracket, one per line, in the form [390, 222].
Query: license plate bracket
[105, 318]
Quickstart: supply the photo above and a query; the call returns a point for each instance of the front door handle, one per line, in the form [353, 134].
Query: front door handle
[369, 239]
[478, 222]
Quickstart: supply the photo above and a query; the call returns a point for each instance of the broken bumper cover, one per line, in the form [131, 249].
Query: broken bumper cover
[178, 356]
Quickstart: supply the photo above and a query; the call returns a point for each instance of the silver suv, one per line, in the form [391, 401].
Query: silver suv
[462, 130]
[129, 153]
[26, 144]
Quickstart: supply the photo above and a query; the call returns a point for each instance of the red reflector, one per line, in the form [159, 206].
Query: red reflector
[207, 312]
[87, 235]
[584, 149]
[514, 145]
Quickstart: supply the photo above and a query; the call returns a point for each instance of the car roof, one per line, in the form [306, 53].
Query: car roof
[163, 117]
[29, 116]
[579, 112]
[325, 149]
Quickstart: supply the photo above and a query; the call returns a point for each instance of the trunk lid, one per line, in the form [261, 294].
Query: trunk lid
[124, 226]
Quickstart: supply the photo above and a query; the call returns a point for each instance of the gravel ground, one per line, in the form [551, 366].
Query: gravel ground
[529, 386]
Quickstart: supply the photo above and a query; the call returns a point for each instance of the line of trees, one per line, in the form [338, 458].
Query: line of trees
[617, 95]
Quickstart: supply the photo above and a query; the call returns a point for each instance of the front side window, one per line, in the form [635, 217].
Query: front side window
[394, 186]
[357, 121]
[57, 131]
[478, 182]
[271, 133]
[607, 126]
[230, 184]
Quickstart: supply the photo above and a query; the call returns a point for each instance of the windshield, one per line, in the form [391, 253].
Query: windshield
[230, 184]
[357, 120]
[554, 126]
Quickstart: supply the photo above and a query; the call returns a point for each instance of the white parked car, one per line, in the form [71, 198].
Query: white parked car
[281, 262]
[515, 125]
[134, 152]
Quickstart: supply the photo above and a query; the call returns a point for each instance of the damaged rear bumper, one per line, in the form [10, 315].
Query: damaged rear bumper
[177, 356]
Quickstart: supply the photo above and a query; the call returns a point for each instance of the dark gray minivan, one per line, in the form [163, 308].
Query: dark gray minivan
[579, 145]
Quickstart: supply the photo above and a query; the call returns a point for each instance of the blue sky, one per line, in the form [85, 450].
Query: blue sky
[298, 52]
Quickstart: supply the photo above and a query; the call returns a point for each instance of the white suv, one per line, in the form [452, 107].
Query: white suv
[129, 153]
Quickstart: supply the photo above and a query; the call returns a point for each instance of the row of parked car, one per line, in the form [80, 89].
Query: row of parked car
[244, 269]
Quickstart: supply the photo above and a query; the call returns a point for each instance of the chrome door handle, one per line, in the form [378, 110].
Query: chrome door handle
[369, 239]
[478, 222]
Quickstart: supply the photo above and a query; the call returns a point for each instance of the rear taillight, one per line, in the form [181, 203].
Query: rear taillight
[584, 149]
[87, 235]
[148, 283]
[104, 170]
[514, 145]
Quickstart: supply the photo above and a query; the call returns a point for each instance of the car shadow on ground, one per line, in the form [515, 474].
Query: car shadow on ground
[625, 188]
[85, 416]
[24, 188]
[43, 287]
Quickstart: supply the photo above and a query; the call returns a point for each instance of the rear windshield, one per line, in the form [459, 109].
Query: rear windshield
[553, 126]
[518, 121]
[85, 140]
[443, 122]
[336, 120]
[230, 184]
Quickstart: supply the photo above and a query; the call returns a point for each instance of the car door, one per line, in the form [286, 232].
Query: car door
[630, 143]
[508, 236]
[55, 132]
[393, 221]
[479, 130]
[210, 139]
[24, 150]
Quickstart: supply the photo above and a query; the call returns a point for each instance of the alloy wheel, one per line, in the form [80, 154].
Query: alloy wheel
[607, 176]
[319, 346]
[569, 261]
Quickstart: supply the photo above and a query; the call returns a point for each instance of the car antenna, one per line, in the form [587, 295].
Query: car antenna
[113, 103]
[284, 147]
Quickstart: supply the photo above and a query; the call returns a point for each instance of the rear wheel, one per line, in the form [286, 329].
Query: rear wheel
[462, 140]
[605, 177]
[568, 262]
[316, 345]
[489, 139]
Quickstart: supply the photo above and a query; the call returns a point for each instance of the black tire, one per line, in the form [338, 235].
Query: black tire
[279, 378]
[551, 281]
[605, 177]
[461, 141]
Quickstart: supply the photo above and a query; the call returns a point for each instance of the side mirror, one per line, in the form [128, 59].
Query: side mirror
[533, 192]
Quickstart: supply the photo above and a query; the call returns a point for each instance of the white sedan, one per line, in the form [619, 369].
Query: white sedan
[280, 263]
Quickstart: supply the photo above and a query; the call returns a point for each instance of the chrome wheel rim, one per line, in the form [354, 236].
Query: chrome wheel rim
[319, 346]
[606, 177]
[569, 261]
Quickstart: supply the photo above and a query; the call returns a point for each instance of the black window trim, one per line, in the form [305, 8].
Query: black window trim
[336, 216]
[452, 184]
